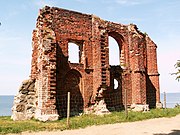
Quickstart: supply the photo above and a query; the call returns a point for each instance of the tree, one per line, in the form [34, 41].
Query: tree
[177, 66]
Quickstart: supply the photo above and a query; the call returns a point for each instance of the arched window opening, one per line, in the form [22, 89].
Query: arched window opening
[116, 84]
[114, 52]
[74, 52]
[72, 83]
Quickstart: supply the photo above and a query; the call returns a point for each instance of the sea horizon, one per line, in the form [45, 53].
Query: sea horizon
[6, 102]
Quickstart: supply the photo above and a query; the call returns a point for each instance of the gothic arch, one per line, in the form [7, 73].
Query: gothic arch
[72, 83]
[121, 43]
[118, 37]
[114, 51]
[113, 96]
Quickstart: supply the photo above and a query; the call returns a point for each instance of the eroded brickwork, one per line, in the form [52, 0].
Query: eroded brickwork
[55, 75]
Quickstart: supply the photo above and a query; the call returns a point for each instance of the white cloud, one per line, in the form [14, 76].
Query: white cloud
[42, 3]
[122, 2]
[12, 13]
[81, 1]
[9, 15]
[10, 38]
[130, 20]
[166, 63]
[127, 2]
[168, 54]
[131, 2]
[6, 42]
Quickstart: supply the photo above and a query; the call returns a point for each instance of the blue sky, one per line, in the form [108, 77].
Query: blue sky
[159, 18]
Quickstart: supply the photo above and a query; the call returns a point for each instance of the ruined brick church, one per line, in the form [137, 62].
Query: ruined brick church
[92, 78]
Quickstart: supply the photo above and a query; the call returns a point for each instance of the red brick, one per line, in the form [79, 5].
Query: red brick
[137, 72]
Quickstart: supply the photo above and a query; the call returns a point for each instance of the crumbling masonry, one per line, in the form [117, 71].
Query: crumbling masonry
[92, 79]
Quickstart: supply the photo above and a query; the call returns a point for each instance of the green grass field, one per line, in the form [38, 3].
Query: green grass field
[9, 126]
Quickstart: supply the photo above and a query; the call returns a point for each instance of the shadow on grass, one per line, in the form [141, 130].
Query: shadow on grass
[174, 132]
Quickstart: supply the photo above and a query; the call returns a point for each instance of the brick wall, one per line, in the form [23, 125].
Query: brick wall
[55, 75]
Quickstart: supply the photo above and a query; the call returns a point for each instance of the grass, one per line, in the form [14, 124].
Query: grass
[9, 126]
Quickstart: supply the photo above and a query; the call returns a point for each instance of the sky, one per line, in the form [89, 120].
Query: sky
[160, 19]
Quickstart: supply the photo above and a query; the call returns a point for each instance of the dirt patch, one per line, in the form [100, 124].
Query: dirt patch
[158, 126]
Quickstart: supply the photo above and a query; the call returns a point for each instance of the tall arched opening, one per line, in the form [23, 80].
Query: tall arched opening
[73, 84]
[114, 94]
[114, 52]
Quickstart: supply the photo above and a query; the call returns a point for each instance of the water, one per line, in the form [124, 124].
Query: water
[171, 99]
[6, 102]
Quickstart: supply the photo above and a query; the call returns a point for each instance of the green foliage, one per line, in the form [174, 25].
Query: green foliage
[145, 34]
[177, 66]
[9, 126]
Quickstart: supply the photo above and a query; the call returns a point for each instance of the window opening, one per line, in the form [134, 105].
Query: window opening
[114, 52]
[74, 53]
[116, 85]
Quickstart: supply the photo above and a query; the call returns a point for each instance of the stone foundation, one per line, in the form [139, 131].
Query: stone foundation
[139, 108]
[159, 105]
[52, 117]
[25, 101]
